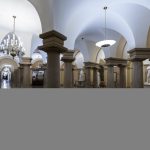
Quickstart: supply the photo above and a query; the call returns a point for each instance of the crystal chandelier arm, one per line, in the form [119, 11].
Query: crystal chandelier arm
[14, 25]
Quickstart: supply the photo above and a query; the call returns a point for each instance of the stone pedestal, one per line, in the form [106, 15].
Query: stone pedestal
[25, 72]
[68, 69]
[53, 45]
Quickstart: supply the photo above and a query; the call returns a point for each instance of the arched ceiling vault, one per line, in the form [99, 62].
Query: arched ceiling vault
[45, 11]
[73, 18]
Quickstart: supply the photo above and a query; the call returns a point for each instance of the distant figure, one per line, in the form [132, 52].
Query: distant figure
[82, 76]
[148, 74]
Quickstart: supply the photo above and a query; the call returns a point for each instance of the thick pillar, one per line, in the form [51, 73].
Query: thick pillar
[110, 76]
[26, 72]
[21, 76]
[45, 76]
[0, 79]
[102, 73]
[137, 56]
[95, 76]
[15, 79]
[87, 74]
[111, 62]
[68, 69]
[53, 45]
[122, 76]
[137, 74]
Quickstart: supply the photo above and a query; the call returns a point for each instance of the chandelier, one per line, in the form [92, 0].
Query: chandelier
[11, 44]
[105, 43]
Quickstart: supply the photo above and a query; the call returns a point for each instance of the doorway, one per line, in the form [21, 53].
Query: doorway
[6, 76]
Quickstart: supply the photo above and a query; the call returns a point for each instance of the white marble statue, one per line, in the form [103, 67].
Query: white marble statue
[82, 76]
[148, 74]
[98, 79]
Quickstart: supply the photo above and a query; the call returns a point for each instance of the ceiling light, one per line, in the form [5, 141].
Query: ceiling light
[105, 43]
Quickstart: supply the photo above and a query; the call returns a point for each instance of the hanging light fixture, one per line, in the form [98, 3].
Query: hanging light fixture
[105, 43]
[11, 44]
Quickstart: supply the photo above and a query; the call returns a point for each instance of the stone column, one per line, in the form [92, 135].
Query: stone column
[45, 76]
[20, 76]
[15, 79]
[53, 45]
[110, 76]
[88, 75]
[0, 79]
[26, 72]
[111, 62]
[102, 73]
[137, 74]
[122, 76]
[137, 56]
[68, 69]
[95, 77]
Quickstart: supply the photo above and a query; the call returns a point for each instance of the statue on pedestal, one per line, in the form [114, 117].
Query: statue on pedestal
[148, 74]
[81, 76]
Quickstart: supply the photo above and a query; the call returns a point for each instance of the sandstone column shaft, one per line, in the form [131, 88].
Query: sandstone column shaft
[95, 77]
[53, 45]
[137, 75]
[110, 77]
[26, 76]
[53, 71]
[68, 59]
[25, 72]
[122, 77]
[68, 75]
[88, 77]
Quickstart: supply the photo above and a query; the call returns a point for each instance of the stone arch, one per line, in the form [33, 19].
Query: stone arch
[45, 12]
[148, 38]
[79, 59]
[100, 57]
[121, 47]
[7, 60]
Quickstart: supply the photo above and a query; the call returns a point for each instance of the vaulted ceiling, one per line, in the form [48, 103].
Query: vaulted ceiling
[77, 19]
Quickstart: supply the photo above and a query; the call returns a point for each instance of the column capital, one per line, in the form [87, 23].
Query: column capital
[139, 54]
[26, 61]
[52, 34]
[53, 41]
[68, 56]
[115, 61]
[91, 65]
